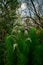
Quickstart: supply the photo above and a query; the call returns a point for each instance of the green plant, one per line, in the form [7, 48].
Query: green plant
[23, 49]
[9, 50]
[1, 53]
[38, 55]
[28, 49]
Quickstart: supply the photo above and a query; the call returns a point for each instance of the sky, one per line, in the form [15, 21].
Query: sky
[24, 9]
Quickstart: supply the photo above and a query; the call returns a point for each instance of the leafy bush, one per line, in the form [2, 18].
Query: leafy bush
[1, 53]
[29, 49]
[36, 50]
[9, 50]
[23, 49]
[38, 55]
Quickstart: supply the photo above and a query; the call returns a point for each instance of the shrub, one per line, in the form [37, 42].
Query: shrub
[29, 48]
[38, 55]
[1, 53]
[9, 50]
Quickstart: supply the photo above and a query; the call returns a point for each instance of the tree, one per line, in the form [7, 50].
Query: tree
[35, 11]
[7, 15]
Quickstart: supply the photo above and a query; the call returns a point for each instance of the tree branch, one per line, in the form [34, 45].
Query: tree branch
[39, 18]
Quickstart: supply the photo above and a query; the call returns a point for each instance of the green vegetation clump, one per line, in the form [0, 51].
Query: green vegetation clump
[1, 53]
[24, 49]
[38, 55]
[9, 50]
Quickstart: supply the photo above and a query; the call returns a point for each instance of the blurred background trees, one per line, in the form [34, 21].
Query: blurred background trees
[7, 16]
[25, 13]
[34, 11]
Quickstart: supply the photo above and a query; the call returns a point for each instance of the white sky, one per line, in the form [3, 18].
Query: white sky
[23, 6]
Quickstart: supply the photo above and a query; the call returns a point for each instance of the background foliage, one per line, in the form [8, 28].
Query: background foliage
[21, 38]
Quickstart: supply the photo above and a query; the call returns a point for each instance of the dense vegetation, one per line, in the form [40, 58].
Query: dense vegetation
[28, 48]
[20, 43]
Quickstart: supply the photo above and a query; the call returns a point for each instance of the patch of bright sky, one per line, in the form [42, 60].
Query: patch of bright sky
[24, 11]
[23, 6]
